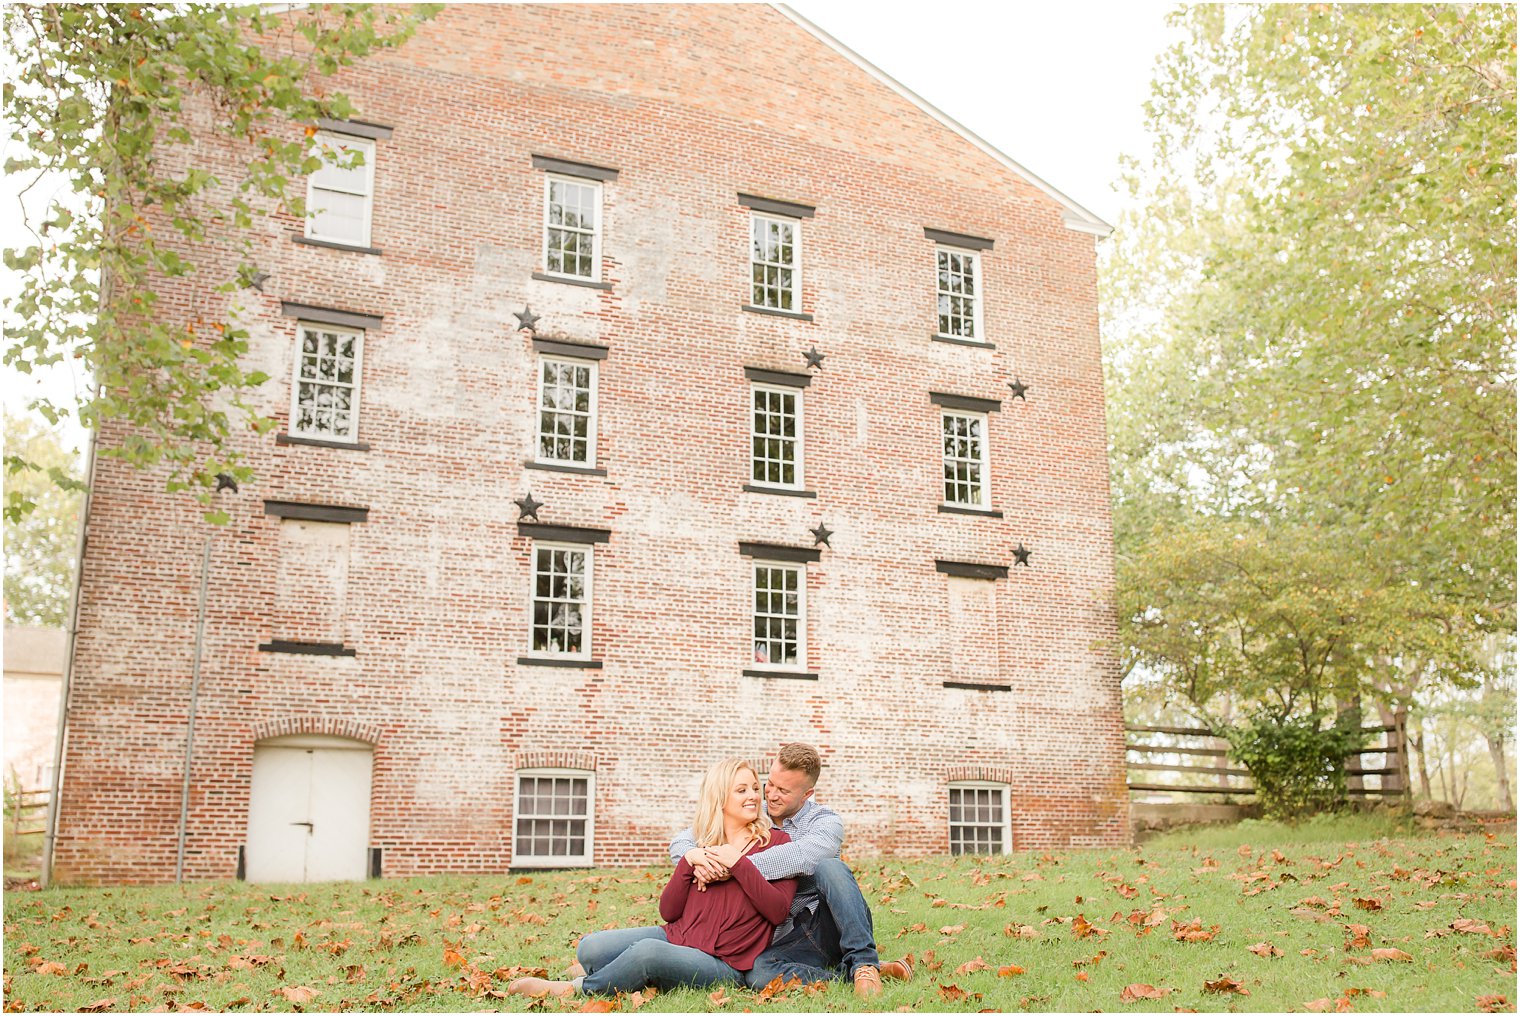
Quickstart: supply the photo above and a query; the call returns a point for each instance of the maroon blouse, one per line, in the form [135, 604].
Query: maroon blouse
[732, 920]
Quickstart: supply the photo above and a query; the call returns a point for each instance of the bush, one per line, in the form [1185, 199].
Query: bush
[1298, 767]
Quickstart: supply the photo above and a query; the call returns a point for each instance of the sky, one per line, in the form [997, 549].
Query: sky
[1058, 88]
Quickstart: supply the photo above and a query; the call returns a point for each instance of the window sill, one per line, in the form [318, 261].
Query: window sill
[306, 648]
[956, 509]
[310, 241]
[776, 312]
[784, 675]
[956, 340]
[572, 280]
[974, 686]
[559, 661]
[316, 442]
[755, 488]
[555, 467]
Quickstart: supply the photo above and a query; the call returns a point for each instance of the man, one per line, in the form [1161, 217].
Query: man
[828, 934]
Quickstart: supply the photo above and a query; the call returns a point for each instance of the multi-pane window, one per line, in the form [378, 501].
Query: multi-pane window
[778, 614]
[553, 818]
[572, 221]
[775, 268]
[324, 400]
[965, 436]
[339, 195]
[979, 818]
[567, 411]
[561, 600]
[959, 290]
[776, 436]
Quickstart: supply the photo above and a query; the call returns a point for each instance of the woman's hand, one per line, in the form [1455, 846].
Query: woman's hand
[705, 868]
[727, 854]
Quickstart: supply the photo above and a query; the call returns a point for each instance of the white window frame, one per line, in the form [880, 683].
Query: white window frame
[582, 860]
[349, 141]
[352, 436]
[584, 653]
[795, 439]
[1006, 827]
[550, 179]
[754, 613]
[795, 292]
[984, 460]
[589, 461]
[975, 260]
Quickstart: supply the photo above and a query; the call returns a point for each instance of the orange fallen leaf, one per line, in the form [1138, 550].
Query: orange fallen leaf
[1367, 904]
[1016, 930]
[1135, 992]
[300, 994]
[635, 999]
[452, 957]
[524, 880]
[1341, 1004]
[99, 1005]
[1225, 986]
[1396, 955]
[952, 929]
[1494, 1003]
[1468, 926]
[1265, 949]
[910, 929]
[597, 1005]
[951, 992]
[1081, 927]
[972, 966]
[1360, 936]
[719, 997]
[1193, 931]
[1082, 975]
[55, 969]
[1010, 971]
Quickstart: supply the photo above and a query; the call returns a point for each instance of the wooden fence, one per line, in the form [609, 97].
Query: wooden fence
[28, 813]
[1203, 765]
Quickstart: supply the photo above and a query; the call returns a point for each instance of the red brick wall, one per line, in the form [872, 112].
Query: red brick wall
[692, 105]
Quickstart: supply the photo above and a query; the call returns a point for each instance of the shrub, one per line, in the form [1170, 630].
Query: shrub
[1299, 767]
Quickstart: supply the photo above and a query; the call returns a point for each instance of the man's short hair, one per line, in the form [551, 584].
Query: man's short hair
[800, 758]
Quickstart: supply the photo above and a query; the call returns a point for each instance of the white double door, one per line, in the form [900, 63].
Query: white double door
[308, 810]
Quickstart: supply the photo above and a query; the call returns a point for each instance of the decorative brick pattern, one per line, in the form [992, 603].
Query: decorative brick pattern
[437, 600]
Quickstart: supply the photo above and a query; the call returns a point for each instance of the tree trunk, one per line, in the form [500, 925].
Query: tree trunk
[1501, 770]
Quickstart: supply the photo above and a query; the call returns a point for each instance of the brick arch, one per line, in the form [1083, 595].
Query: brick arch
[556, 760]
[992, 774]
[334, 726]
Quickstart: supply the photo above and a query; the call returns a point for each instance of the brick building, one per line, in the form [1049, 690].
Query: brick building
[649, 394]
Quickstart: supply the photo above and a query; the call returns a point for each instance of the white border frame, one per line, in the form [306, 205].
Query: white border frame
[532, 861]
[977, 314]
[1007, 812]
[802, 617]
[596, 228]
[591, 422]
[340, 140]
[797, 439]
[749, 240]
[357, 404]
[986, 458]
[586, 610]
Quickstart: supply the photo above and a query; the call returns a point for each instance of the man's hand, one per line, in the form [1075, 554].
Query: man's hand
[706, 868]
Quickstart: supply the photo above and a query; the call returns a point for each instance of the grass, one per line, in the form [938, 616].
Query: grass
[1039, 931]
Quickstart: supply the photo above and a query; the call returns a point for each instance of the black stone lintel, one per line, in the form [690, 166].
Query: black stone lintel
[563, 534]
[783, 675]
[329, 315]
[956, 509]
[585, 170]
[555, 467]
[311, 241]
[778, 377]
[795, 315]
[755, 488]
[780, 552]
[974, 686]
[790, 209]
[970, 570]
[967, 402]
[315, 512]
[306, 648]
[558, 661]
[956, 340]
[316, 442]
[579, 350]
[356, 128]
[962, 240]
[572, 280]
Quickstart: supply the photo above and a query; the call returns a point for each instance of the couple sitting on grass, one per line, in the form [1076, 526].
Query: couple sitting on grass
[758, 893]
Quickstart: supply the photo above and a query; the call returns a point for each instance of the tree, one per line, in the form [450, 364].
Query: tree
[40, 545]
[102, 94]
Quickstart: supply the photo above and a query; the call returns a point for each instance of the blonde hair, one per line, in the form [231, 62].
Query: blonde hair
[716, 784]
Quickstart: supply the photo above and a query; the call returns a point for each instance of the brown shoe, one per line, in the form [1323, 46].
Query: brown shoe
[867, 982]
[898, 970]
[537, 987]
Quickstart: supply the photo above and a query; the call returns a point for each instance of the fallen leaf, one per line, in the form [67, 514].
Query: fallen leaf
[1193, 931]
[1367, 904]
[912, 928]
[1341, 1004]
[597, 1005]
[1010, 971]
[524, 880]
[99, 1005]
[1266, 949]
[951, 992]
[1082, 976]
[1135, 992]
[1225, 986]
[55, 969]
[1494, 1003]
[452, 957]
[1081, 927]
[778, 987]
[299, 994]
[952, 929]
[1396, 955]
[972, 966]
[635, 999]
[719, 997]
[1020, 931]
[1468, 926]
[1360, 936]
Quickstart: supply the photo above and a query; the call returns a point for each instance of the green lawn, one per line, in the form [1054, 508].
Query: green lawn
[1286, 920]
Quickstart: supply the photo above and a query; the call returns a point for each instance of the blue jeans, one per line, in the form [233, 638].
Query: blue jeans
[829, 944]
[627, 959]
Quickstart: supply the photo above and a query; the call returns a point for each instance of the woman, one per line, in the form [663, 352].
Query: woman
[712, 936]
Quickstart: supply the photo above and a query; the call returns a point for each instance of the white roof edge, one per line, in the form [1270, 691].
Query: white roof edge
[1076, 218]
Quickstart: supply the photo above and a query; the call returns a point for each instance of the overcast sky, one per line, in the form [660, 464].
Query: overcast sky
[1058, 88]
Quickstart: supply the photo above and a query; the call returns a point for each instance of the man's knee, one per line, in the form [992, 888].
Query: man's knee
[834, 875]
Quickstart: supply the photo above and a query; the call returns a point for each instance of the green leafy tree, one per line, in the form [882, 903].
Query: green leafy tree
[40, 545]
[1310, 336]
[110, 97]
